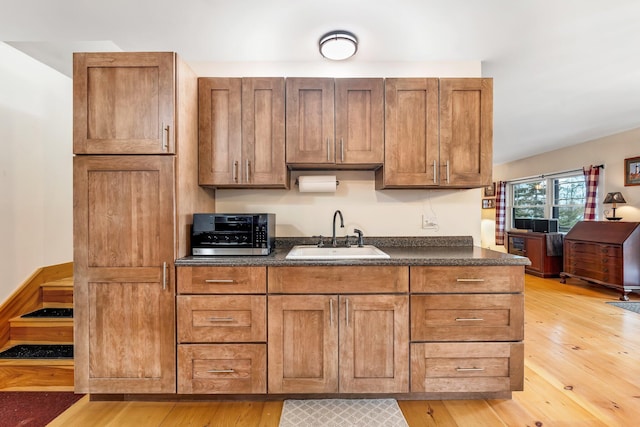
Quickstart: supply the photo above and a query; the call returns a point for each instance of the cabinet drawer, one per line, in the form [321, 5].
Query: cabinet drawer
[468, 279]
[222, 280]
[586, 248]
[467, 367]
[467, 317]
[222, 369]
[216, 318]
[338, 280]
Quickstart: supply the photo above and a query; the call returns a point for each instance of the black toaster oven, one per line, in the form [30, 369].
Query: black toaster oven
[233, 234]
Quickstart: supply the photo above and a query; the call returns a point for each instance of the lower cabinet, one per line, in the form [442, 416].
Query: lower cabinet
[338, 344]
[431, 331]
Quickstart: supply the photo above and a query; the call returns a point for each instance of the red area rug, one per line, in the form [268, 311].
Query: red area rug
[33, 408]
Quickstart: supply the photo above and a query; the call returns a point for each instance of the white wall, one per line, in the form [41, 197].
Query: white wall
[35, 168]
[610, 151]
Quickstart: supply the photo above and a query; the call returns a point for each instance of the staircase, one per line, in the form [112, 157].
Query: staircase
[36, 328]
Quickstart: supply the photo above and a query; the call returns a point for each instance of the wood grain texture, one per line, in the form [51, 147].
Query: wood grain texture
[222, 280]
[580, 369]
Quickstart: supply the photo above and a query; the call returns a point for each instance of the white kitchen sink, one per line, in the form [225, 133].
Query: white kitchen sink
[329, 252]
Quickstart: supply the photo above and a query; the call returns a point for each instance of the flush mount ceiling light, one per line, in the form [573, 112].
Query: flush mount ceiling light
[338, 45]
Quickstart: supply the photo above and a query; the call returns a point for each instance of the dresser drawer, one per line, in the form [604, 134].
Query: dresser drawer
[222, 369]
[586, 248]
[220, 318]
[467, 279]
[484, 317]
[467, 367]
[222, 280]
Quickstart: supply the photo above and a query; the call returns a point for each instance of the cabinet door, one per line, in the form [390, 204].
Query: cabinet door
[359, 119]
[374, 344]
[220, 131]
[466, 132]
[123, 103]
[535, 249]
[303, 344]
[124, 287]
[310, 120]
[411, 134]
[263, 144]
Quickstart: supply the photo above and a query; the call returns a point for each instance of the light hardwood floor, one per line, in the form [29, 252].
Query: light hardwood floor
[582, 368]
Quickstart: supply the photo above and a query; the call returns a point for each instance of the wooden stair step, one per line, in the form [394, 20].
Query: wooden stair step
[58, 292]
[49, 329]
[36, 374]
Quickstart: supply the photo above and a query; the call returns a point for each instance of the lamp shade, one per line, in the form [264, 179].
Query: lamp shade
[615, 197]
[338, 45]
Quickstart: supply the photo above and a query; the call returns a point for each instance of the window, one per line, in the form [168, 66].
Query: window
[559, 197]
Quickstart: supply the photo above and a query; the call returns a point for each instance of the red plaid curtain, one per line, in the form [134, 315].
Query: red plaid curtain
[591, 175]
[501, 211]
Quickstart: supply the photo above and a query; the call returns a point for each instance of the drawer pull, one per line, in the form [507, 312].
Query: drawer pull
[221, 319]
[221, 371]
[469, 319]
[469, 280]
[469, 369]
[219, 281]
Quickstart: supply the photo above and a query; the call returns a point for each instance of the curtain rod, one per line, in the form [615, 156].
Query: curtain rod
[550, 174]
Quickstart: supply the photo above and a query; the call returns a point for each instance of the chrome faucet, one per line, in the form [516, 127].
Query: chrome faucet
[334, 242]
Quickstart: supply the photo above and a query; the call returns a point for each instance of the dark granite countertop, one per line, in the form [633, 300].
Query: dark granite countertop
[454, 251]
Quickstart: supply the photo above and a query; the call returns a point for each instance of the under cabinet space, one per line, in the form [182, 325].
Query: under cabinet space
[208, 318]
[479, 317]
[222, 369]
[222, 280]
[467, 367]
[468, 279]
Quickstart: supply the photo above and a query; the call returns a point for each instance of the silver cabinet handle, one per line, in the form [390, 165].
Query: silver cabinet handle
[469, 319]
[164, 276]
[221, 319]
[469, 369]
[447, 171]
[235, 171]
[331, 311]
[219, 281]
[342, 150]
[165, 139]
[469, 280]
[221, 371]
[247, 170]
[328, 150]
[435, 176]
[346, 312]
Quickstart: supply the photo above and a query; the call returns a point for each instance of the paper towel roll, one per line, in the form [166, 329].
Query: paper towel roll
[317, 184]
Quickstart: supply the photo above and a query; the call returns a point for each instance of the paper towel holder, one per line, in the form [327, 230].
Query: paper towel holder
[298, 183]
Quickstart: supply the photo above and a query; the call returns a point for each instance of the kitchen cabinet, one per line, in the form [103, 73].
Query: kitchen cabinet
[222, 330]
[438, 133]
[467, 329]
[124, 103]
[131, 218]
[242, 133]
[604, 252]
[335, 123]
[353, 342]
[545, 262]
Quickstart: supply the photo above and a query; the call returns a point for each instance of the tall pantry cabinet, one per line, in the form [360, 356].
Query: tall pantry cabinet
[135, 187]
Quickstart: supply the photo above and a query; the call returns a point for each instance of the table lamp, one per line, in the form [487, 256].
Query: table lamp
[613, 198]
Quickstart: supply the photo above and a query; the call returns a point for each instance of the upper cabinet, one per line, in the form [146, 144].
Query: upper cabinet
[335, 123]
[241, 133]
[438, 133]
[124, 103]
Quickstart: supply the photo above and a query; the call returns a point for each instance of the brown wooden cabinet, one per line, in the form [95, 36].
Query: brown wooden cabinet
[467, 327]
[131, 216]
[438, 133]
[242, 133]
[322, 343]
[604, 252]
[222, 330]
[335, 122]
[546, 260]
[124, 103]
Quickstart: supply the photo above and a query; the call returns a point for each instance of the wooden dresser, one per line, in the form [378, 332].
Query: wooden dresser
[604, 252]
[544, 250]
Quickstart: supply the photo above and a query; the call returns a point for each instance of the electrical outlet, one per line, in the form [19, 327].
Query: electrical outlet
[429, 223]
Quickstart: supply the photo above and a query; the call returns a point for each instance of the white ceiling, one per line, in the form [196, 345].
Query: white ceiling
[565, 71]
